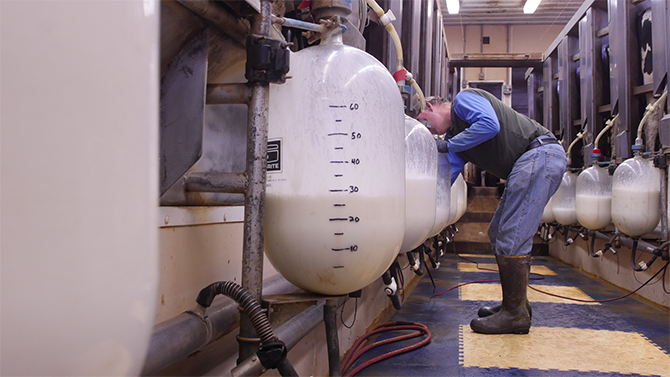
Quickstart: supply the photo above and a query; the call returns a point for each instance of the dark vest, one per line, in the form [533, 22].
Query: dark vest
[498, 155]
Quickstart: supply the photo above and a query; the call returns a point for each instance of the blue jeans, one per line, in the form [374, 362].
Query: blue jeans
[535, 177]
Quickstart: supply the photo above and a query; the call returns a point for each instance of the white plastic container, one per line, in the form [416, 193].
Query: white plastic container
[594, 198]
[636, 196]
[421, 184]
[548, 213]
[459, 199]
[563, 201]
[335, 205]
[443, 195]
[463, 203]
[79, 186]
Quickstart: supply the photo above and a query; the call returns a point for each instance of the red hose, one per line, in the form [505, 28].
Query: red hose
[358, 350]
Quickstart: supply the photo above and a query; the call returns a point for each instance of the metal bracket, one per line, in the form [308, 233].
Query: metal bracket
[267, 59]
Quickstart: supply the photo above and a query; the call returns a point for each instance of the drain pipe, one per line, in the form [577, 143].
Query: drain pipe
[176, 338]
[291, 332]
[254, 204]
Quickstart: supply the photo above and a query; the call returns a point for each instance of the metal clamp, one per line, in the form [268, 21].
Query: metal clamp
[267, 59]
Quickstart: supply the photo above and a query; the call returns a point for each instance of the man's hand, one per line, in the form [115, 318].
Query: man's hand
[441, 145]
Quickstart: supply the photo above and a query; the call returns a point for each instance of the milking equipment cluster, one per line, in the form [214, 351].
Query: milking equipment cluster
[626, 195]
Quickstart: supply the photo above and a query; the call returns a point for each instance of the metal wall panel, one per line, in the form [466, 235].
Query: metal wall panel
[427, 15]
[550, 94]
[661, 40]
[568, 92]
[591, 76]
[437, 53]
[624, 66]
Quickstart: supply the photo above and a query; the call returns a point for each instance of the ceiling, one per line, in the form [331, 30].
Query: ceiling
[510, 12]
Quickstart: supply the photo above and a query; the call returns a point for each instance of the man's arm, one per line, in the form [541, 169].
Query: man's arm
[457, 162]
[478, 112]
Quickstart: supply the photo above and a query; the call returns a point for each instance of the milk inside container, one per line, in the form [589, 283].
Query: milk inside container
[421, 183]
[443, 195]
[636, 196]
[335, 205]
[459, 197]
[548, 213]
[594, 198]
[563, 201]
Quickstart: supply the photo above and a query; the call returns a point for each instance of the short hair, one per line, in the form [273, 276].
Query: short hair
[435, 100]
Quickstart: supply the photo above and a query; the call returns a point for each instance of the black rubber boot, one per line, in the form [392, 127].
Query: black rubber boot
[486, 311]
[513, 316]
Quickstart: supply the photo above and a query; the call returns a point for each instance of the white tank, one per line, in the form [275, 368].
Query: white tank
[335, 205]
[443, 194]
[420, 184]
[593, 203]
[459, 199]
[563, 203]
[548, 213]
[463, 203]
[79, 186]
[636, 196]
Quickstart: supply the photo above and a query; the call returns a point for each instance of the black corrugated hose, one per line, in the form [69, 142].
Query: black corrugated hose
[273, 351]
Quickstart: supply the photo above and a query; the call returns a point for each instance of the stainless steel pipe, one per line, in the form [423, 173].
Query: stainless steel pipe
[254, 206]
[290, 333]
[179, 337]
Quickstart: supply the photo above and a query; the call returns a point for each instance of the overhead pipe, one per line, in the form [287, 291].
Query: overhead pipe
[220, 18]
[179, 337]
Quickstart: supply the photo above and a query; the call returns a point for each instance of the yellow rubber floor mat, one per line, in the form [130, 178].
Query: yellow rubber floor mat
[556, 348]
[493, 292]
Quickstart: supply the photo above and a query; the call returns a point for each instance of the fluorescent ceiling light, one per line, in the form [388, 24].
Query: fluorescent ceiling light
[530, 7]
[453, 6]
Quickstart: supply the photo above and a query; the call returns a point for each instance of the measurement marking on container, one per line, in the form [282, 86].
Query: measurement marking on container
[338, 106]
[339, 190]
[339, 219]
[342, 249]
[339, 205]
[338, 120]
[339, 148]
[339, 234]
[338, 175]
[338, 266]
[338, 162]
[339, 134]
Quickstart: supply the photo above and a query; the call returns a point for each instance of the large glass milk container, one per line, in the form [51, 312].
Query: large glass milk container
[563, 201]
[548, 213]
[594, 198]
[420, 183]
[443, 195]
[636, 196]
[335, 205]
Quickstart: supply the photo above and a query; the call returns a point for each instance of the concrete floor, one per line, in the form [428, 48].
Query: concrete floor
[620, 338]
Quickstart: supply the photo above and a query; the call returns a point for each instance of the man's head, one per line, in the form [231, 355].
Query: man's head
[438, 113]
